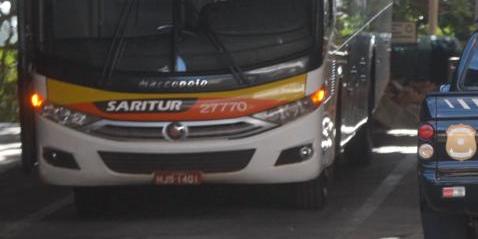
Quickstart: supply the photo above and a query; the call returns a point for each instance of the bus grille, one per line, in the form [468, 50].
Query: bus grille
[226, 129]
[215, 162]
[126, 132]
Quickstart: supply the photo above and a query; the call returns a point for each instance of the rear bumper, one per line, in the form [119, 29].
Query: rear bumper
[261, 168]
[431, 192]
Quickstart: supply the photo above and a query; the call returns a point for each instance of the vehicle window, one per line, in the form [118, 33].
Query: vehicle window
[160, 36]
[470, 69]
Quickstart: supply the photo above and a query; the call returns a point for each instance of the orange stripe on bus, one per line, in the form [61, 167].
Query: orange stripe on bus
[63, 93]
[202, 110]
[207, 105]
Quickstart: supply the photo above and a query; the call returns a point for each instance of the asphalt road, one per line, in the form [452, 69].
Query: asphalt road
[374, 202]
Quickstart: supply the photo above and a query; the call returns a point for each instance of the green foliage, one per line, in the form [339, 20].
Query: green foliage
[8, 85]
[347, 21]
[456, 17]
[8, 64]
[347, 25]
[409, 10]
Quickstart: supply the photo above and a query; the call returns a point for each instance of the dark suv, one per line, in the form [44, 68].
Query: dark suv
[447, 153]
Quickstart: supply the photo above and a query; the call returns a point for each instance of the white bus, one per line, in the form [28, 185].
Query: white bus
[187, 92]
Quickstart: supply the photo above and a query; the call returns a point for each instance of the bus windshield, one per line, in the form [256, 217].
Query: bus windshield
[173, 36]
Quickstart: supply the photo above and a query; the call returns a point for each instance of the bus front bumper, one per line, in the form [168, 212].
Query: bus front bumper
[261, 169]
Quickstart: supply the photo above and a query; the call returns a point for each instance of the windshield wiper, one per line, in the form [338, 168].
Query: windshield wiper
[177, 31]
[234, 68]
[118, 44]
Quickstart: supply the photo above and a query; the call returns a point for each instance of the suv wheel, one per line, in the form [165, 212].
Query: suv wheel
[438, 225]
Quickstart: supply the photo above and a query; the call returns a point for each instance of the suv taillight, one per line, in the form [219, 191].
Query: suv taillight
[426, 132]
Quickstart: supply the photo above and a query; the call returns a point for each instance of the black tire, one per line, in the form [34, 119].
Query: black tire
[91, 202]
[359, 150]
[438, 225]
[28, 138]
[338, 125]
[473, 228]
[310, 195]
[29, 158]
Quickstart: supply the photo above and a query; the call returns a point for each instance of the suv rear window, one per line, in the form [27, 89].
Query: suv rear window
[469, 68]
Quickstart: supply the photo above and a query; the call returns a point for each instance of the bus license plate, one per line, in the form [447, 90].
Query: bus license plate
[177, 178]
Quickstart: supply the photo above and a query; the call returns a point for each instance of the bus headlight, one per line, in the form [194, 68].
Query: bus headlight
[289, 112]
[66, 117]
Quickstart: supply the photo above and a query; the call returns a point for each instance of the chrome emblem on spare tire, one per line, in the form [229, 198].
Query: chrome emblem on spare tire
[176, 131]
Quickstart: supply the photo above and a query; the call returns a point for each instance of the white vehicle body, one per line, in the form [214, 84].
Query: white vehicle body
[154, 92]
[261, 169]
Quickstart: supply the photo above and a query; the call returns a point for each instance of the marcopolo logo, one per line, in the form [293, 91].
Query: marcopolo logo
[173, 84]
[146, 106]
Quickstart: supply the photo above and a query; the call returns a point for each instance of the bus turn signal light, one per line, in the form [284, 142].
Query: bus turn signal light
[319, 96]
[36, 100]
[291, 111]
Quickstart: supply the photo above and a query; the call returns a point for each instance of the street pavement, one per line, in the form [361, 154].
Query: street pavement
[378, 201]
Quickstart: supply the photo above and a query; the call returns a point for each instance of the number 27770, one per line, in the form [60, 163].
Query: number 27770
[224, 107]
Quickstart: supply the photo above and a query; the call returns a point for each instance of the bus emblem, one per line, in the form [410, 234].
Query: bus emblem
[176, 131]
